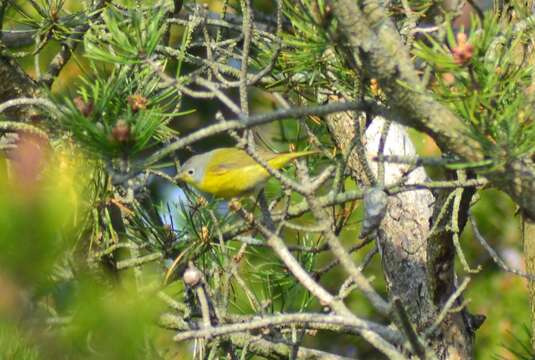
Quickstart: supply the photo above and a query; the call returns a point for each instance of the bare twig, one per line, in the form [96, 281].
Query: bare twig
[68, 46]
[245, 123]
[288, 319]
[31, 101]
[495, 257]
[280, 248]
[447, 306]
[336, 247]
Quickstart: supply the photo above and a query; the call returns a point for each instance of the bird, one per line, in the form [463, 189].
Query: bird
[230, 172]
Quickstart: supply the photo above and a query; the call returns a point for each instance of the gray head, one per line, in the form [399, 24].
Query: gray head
[192, 171]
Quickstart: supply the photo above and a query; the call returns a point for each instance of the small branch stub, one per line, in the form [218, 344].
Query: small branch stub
[375, 201]
[192, 276]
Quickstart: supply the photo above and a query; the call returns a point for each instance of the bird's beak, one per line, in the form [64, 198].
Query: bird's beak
[181, 177]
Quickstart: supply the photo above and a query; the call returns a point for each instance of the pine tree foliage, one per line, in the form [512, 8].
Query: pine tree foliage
[492, 92]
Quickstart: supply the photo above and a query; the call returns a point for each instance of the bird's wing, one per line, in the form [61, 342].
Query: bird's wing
[227, 160]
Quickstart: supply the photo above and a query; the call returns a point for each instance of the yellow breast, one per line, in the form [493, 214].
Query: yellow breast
[234, 182]
[232, 172]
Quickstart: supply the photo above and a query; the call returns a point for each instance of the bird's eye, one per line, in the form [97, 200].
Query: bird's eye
[191, 172]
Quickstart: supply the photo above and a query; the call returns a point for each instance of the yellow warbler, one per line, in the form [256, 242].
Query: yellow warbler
[231, 172]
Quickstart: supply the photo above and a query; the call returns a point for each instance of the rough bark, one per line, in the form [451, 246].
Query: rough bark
[419, 274]
[372, 40]
[15, 83]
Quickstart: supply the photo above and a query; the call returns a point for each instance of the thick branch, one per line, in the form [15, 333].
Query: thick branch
[372, 38]
[15, 84]
[404, 232]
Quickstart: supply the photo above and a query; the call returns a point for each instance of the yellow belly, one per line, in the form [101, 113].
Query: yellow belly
[235, 182]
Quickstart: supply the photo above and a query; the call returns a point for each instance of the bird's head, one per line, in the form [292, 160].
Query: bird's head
[192, 171]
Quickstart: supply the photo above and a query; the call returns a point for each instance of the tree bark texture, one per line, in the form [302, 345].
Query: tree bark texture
[371, 39]
[418, 265]
[15, 83]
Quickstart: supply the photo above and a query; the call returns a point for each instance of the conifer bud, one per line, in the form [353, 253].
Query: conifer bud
[374, 87]
[205, 234]
[463, 52]
[121, 131]
[201, 201]
[234, 205]
[137, 102]
[85, 108]
[448, 78]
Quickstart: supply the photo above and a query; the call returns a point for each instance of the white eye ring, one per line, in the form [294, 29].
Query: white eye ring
[191, 171]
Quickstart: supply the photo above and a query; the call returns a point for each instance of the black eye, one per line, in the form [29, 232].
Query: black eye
[191, 171]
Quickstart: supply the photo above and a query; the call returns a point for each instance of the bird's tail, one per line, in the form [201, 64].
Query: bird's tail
[279, 160]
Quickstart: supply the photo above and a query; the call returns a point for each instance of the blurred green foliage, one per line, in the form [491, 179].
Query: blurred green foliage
[14, 345]
[37, 215]
[63, 309]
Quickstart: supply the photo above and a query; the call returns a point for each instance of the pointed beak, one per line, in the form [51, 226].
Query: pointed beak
[183, 177]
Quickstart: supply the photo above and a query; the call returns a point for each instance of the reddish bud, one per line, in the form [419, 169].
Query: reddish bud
[28, 161]
[121, 131]
[463, 52]
[448, 78]
[85, 108]
[137, 102]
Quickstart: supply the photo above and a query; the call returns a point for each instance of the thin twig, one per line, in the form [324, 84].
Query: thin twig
[245, 123]
[447, 307]
[288, 319]
[495, 257]
[280, 248]
[68, 46]
[338, 250]
[31, 101]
